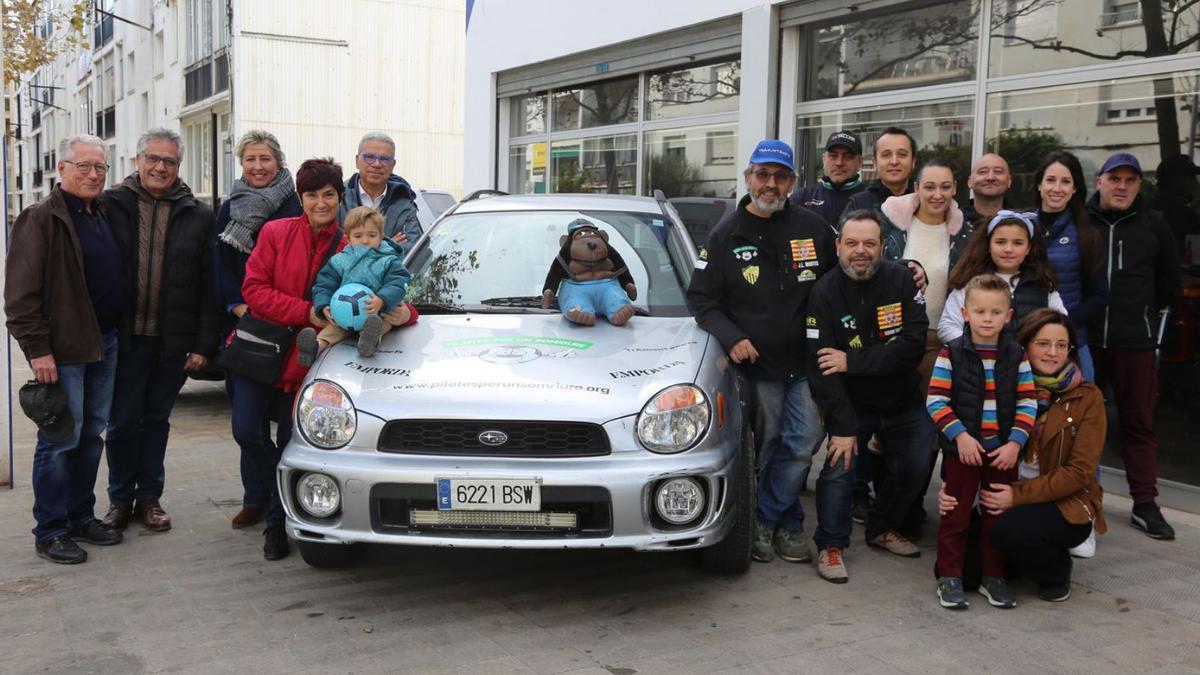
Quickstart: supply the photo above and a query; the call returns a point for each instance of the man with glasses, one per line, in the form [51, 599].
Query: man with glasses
[750, 291]
[376, 186]
[169, 325]
[63, 300]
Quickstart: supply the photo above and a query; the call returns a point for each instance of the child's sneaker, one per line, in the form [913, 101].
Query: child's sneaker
[306, 347]
[370, 335]
[996, 592]
[950, 593]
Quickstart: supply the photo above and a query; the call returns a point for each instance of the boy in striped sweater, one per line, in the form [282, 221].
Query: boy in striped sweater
[983, 401]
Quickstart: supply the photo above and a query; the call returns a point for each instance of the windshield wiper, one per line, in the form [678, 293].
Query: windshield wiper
[438, 308]
[514, 301]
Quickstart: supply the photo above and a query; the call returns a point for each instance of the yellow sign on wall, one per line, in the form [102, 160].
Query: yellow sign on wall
[538, 152]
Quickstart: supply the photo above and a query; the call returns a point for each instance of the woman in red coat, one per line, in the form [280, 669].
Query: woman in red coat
[279, 279]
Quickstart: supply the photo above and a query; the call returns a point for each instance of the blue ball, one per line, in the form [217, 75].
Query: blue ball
[349, 306]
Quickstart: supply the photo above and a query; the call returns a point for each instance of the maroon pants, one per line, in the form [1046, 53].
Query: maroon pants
[963, 483]
[1134, 382]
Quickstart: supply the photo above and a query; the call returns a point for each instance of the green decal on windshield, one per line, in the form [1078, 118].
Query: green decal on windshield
[517, 340]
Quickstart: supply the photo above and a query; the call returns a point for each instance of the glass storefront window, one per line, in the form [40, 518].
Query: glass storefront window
[692, 161]
[941, 129]
[596, 105]
[917, 47]
[528, 115]
[1149, 117]
[701, 90]
[605, 165]
[1034, 35]
[527, 168]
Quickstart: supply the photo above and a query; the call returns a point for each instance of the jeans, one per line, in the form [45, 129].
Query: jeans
[964, 482]
[145, 392]
[906, 436]
[254, 406]
[1037, 540]
[788, 424]
[602, 297]
[1086, 363]
[64, 474]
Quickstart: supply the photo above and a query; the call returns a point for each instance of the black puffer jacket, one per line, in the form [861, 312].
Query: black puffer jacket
[187, 314]
[1142, 266]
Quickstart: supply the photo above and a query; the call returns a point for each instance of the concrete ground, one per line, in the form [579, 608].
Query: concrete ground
[200, 599]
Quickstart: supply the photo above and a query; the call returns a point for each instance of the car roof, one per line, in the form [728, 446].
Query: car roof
[559, 202]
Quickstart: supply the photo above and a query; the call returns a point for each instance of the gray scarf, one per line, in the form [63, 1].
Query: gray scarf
[250, 207]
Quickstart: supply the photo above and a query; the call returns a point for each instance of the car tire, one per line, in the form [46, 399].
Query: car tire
[731, 555]
[330, 556]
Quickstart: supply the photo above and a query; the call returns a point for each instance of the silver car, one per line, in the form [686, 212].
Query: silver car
[495, 423]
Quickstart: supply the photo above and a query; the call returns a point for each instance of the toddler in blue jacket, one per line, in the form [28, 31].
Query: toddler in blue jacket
[368, 259]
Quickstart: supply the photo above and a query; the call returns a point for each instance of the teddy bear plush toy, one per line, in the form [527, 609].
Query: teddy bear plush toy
[590, 278]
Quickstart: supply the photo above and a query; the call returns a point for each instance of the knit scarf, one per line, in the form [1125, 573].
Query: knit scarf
[1049, 386]
[250, 207]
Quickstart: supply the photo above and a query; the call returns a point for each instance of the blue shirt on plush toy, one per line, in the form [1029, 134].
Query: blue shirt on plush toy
[590, 278]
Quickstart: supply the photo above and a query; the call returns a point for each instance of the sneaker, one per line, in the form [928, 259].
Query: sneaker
[895, 543]
[791, 546]
[996, 592]
[830, 565]
[950, 593]
[1055, 592]
[60, 550]
[860, 509]
[1087, 549]
[306, 347]
[1148, 518]
[275, 543]
[370, 335]
[763, 549]
[96, 532]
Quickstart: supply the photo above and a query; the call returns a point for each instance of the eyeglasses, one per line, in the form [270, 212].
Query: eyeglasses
[762, 175]
[372, 158]
[1047, 345]
[88, 167]
[169, 162]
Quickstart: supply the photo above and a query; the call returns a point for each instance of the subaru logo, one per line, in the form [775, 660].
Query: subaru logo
[493, 438]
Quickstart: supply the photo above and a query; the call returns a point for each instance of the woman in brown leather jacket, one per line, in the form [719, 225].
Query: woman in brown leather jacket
[1056, 502]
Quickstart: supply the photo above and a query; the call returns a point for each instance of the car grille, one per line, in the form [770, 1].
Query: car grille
[392, 505]
[525, 439]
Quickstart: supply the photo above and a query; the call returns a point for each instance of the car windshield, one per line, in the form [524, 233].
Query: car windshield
[500, 259]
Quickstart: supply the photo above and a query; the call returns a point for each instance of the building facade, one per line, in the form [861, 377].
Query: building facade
[630, 97]
[316, 74]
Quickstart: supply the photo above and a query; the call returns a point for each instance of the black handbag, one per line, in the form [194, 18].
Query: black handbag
[256, 348]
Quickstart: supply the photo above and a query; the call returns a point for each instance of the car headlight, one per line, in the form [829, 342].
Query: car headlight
[673, 420]
[318, 495]
[325, 415]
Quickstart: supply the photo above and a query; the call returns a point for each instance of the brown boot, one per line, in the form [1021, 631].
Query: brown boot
[117, 517]
[249, 515]
[151, 513]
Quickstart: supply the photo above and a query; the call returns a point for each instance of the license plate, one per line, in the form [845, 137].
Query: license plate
[489, 494]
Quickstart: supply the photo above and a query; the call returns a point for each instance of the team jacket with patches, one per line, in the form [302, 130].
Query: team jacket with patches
[880, 324]
[753, 281]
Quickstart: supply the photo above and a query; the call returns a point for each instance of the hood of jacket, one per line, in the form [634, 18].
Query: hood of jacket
[902, 211]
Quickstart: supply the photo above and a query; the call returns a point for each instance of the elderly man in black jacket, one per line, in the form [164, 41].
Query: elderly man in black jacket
[1143, 279]
[169, 325]
[866, 334]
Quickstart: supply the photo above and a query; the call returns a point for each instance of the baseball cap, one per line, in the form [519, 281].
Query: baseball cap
[46, 405]
[771, 151]
[578, 224]
[846, 139]
[1119, 160]
[1179, 165]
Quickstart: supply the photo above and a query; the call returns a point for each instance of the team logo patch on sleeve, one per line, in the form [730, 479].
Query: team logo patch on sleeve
[803, 249]
[890, 318]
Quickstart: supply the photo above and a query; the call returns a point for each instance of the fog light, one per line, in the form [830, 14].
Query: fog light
[318, 495]
[679, 500]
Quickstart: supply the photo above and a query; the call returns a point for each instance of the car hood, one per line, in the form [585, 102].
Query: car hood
[511, 366]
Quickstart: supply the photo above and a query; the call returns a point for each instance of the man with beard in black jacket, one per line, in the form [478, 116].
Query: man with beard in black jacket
[750, 291]
[866, 330]
[1143, 279]
[169, 325]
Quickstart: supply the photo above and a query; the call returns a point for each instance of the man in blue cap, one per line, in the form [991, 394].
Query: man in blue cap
[1143, 279]
[750, 291]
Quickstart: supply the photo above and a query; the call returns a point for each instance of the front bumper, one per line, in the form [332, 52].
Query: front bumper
[614, 492]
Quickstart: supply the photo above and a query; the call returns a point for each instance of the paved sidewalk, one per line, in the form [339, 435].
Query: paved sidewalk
[200, 599]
